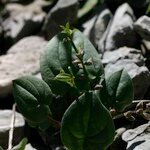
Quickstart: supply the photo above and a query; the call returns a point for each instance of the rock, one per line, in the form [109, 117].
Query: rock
[146, 45]
[29, 147]
[56, 147]
[118, 143]
[140, 75]
[23, 21]
[132, 60]
[64, 11]
[142, 27]
[1, 40]
[100, 25]
[5, 121]
[121, 31]
[96, 26]
[123, 53]
[21, 59]
[138, 138]
[88, 25]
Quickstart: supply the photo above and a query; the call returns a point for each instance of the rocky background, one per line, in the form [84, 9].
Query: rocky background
[119, 30]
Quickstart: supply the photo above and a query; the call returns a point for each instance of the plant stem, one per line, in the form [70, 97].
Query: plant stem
[11, 131]
[134, 103]
[81, 59]
[56, 124]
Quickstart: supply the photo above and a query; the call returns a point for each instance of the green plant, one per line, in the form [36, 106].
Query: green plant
[20, 146]
[74, 97]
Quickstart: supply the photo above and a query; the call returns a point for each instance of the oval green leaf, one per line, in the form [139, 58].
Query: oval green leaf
[33, 97]
[59, 55]
[120, 90]
[87, 124]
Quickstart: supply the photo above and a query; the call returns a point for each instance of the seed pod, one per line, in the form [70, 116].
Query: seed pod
[80, 54]
[98, 87]
[131, 118]
[139, 111]
[80, 66]
[140, 105]
[148, 107]
[76, 62]
[112, 112]
[128, 114]
[146, 116]
[88, 62]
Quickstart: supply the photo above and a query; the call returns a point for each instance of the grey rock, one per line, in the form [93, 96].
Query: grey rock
[146, 45]
[29, 147]
[88, 25]
[23, 21]
[100, 26]
[138, 138]
[142, 27]
[96, 26]
[5, 121]
[123, 53]
[21, 59]
[64, 11]
[121, 31]
[1, 38]
[56, 147]
[118, 143]
[140, 75]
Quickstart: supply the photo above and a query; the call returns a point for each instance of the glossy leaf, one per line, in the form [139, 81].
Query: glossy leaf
[95, 70]
[33, 97]
[59, 55]
[87, 124]
[56, 57]
[120, 90]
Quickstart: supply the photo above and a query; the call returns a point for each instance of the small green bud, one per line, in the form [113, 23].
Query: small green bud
[80, 54]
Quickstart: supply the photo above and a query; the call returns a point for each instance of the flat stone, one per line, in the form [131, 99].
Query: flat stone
[5, 121]
[22, 21]
[64, 11]
[138, 138]
[140, 75]
[142, 27]
[124, 53]
[121, 32]
[21, 59]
